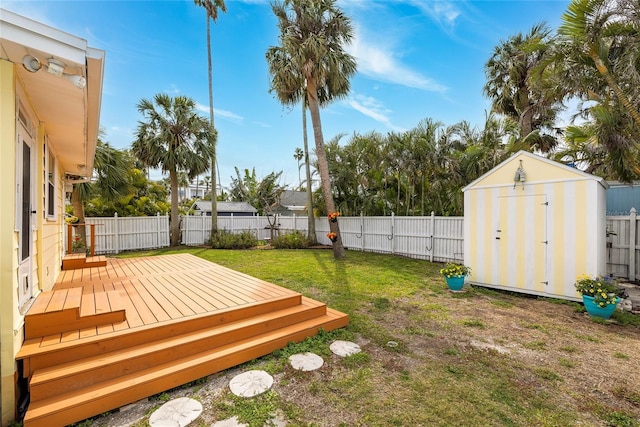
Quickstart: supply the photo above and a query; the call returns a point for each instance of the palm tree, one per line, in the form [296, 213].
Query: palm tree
[212, 6]
[598, 29]
[111, 180]
[512, 86]
[311, 63]
[598, 47]
[175, 138]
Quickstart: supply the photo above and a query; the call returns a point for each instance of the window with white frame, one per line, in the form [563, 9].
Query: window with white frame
[50, 183]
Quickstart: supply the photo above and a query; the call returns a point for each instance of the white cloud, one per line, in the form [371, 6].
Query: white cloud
[373, 108]
[228, 115]
[380, 63]
[445, 13]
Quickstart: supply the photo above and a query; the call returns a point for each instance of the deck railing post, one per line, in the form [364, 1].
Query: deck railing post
[632, 244]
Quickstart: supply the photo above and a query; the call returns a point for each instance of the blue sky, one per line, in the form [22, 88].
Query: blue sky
[416, 59]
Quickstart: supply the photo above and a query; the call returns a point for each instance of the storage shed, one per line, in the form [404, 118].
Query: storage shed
[533, 225]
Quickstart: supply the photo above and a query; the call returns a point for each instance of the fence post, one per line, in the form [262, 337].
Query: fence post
[362, 244]
[433, 228]
[158, 227]
[632, 244]
[393, 241]
[115, 233]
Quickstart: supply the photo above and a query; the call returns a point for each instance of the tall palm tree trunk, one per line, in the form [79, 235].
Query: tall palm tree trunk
[175, 219]
[323, 166]
[214, 195]
[311, 221]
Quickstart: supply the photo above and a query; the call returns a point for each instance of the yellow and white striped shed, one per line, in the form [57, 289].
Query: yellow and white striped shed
[535, 236]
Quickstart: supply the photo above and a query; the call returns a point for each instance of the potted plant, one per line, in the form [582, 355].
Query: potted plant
[332, 236]
[599, 295]
[333, 216]
[71, 219]
[454, 274]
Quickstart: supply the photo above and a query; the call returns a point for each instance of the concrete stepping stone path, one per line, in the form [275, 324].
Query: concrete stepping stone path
[344, 348]
[176, 413]
[251, 383]
[229, 422]
[306, 361]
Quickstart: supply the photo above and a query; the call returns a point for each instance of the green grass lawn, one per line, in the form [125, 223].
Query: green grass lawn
[479, 358]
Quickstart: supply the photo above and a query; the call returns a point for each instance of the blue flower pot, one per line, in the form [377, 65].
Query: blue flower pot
[455, 283]
[595, 310]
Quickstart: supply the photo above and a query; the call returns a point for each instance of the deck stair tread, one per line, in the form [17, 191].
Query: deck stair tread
[93, 399]
[64, 310]
[39, 356]
[71, 375]
[78, 261]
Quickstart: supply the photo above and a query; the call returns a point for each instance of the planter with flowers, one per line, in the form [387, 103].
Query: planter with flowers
[332, 236]
[599, 295]
[454, 274]
[333, 216]
[72, 220]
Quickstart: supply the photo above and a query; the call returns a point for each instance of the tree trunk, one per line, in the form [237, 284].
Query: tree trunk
[311, 220]
[78, 212]
[175, 218]
[214, 195]
[325, 179]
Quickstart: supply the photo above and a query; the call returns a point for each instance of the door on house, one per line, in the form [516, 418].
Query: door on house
[522, 242]
[25, 213]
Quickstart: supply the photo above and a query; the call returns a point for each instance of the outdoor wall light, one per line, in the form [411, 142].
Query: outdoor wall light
[520, 176]
[31, 64]
[78, 81]
[55, 67]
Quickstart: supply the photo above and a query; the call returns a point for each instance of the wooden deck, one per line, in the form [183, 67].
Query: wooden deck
[106, 336]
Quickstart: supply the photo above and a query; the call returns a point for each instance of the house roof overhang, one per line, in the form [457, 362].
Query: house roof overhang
[70, 115]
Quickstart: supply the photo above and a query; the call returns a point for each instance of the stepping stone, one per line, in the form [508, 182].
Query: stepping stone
[306, 361]
[176, 413]
[251, 383]
[229, 422]
[344, 348]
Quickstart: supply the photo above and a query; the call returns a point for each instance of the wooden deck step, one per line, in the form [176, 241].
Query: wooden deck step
[35, 355]
[55, 380]
[73, 405]
[77, 261]
[59, 311]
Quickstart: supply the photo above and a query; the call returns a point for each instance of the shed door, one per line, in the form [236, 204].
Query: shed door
[522, 242]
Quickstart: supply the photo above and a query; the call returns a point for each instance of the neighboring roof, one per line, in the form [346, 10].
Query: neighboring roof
[564, 170]
[294, 199]
[205, 206]
[71, 114]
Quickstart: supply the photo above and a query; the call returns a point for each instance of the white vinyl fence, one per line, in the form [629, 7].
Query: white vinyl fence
[432, 238]
[622, 246]
[114, 235]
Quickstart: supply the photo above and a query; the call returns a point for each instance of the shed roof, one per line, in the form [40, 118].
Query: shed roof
[538, 169]
[293, 199]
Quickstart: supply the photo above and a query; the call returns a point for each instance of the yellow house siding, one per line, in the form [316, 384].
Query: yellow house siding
[50, 229]
[8, 240]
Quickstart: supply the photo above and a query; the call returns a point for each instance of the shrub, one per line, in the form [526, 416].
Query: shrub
[293, 240]
[227, 240]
